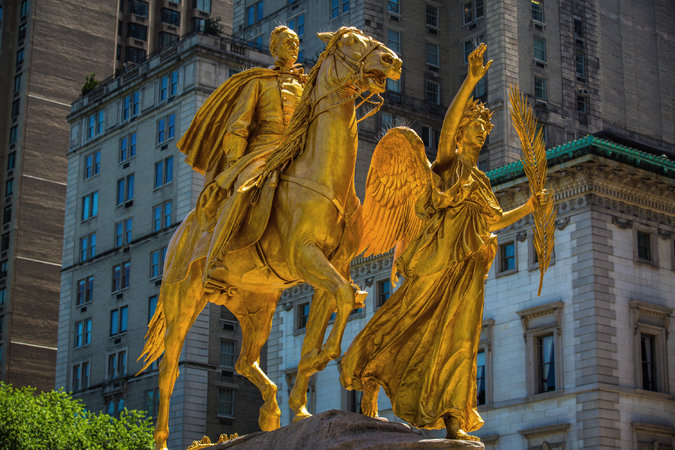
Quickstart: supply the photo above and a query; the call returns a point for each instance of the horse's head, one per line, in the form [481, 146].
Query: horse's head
[366, 62]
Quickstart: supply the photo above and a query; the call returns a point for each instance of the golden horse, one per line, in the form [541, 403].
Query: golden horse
[312, 234]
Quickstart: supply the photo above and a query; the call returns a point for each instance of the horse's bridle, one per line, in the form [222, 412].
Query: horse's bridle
[357, 73]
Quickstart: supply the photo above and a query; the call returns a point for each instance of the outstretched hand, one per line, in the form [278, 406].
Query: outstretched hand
[476, 68]
[538, 199]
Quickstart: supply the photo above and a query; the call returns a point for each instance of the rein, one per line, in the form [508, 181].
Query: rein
[357, 73]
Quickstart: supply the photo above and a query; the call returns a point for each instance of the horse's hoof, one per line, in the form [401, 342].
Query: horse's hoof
[301, 414]
[269, 418]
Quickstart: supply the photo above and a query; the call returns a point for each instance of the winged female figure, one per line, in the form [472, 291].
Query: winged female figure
[421, 345]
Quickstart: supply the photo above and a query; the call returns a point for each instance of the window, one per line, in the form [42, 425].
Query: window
[471, 45]
[432, 16]
[480, 91]
[433, 55]
[137, 31]
[161, 216]
[338, 7]
[120, 276]
[580, 64]
[163, 172]
[85, 290]
[151, 397]
[578, 27]
[80, 378]
[90, 206]
[13, 134]
[472, 11]
[9, 187]
[258, 43]
[87, 247]
[135, 54]
[394, 6]
[118, 320]
[92, 164]
[645, 246]
[507, 258]
[135, 102]
[17, 83]
[99, 122]
[543, 328]
[117, 365]
[166, 128]
[433, 92]
[4, 242]
[16, 107]
[537, 11]
[11, 161]
[19, 56]
[82, 333]
[227, 352]
[540, 88]
[127, 147]
[167, 38]
[22, 32]
[173, 86]
[302, 314]
[394, 85]
[170, 16]
[383, 292]
[394, 41]
[152, 306]
[157, 262]
[24, 9]
[126, 108]
[650, 322]
[114, 404]
[582, 104]
[539, 49]
[226, 402]
[139, 8]
[297, 24]
[480, 377]
[7, 215]
[254, 13]
[430, 137]
[123, 232]
[204, 5]
[125, 189]
[3, 296]
[164, 88]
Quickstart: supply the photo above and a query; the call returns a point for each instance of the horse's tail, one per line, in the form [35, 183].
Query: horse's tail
[154, 338]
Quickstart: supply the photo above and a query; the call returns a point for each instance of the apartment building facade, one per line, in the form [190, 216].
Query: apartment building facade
[46, 50]
[127, 191]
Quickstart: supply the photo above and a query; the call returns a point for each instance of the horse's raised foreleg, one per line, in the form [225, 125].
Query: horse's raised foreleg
[315, 269]
[182, 303]
[255, 312]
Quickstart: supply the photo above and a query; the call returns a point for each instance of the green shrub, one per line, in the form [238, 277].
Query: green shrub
[53, 420]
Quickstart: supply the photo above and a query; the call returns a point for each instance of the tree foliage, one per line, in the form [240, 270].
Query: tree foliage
[213, 26]
[54, 420]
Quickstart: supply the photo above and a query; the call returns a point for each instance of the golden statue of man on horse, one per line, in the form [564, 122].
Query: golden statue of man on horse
[278, 208]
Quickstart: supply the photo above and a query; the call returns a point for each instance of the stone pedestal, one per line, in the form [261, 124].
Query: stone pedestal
[343, 430]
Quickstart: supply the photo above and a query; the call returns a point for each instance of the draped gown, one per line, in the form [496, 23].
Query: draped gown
[421, 345]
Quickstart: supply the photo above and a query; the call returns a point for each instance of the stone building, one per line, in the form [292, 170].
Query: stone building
[589, 363]
[46, 50]
[127, 190]
[576, 60]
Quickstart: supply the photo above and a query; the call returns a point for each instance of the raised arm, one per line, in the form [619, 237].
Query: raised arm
[446, 144]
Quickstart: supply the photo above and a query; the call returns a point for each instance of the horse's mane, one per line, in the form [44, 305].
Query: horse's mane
[293, 142]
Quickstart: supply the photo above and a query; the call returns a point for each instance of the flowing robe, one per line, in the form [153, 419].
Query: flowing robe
[421, 345]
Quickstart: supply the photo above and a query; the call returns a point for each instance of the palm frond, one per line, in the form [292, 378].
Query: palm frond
[534, 165]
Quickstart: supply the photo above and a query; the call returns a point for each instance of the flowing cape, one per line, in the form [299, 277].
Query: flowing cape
[209, 125]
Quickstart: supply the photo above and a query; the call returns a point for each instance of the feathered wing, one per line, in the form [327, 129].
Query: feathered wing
[399, 173]
[534, 165]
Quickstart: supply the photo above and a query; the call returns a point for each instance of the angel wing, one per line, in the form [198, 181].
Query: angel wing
[399, 173]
